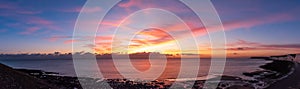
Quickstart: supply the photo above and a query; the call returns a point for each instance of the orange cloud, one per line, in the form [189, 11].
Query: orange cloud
[156, 37]
[55, 38]
[104, 38]
[152, 32]
[152, 37]
[70, 41]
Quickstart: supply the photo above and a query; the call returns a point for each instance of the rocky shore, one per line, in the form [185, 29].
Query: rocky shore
[272, 72]
[13, 79]
[38, 79]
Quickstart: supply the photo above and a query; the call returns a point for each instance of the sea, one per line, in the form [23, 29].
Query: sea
[106, 67]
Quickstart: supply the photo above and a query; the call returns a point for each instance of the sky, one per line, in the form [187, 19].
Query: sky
[252, 27]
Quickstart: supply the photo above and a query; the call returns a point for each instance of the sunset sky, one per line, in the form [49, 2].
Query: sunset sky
[252, 27]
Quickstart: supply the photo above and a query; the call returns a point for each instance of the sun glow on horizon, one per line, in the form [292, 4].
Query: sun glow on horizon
[162, 47]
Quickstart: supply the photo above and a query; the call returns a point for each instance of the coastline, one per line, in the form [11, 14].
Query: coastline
[292, 81]
[12, 79]
[272, 73]
[261, 79]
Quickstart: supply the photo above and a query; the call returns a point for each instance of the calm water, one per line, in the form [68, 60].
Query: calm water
[234, 67]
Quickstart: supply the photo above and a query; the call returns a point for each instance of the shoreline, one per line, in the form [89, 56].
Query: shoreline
[292, 81]
[68, 82]
[261, 79]
[13, 79]
[272, 73]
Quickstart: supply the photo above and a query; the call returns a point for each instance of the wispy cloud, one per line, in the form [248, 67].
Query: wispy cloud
[151, 37]
[64, 39]
[170, 5]
[70, 41]
[29, 12]
[256, 21]
[38, 21]
[79, 9]
[17, 10]
[290, 46]
[240, 42]
[55, 38]
[243, 45]
[27, 18]
[31, 24]
[30, 30]
[241, 24]
[99, 39]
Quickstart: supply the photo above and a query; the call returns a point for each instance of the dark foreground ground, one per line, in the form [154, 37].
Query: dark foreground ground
[12, 79]
[290, 82]
[36, 79]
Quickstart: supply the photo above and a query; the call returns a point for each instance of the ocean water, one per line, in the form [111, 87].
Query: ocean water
[233, 67]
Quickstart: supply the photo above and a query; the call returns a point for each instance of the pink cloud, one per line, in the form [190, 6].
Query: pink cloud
[87, 9]
[199, 31]
[30, 30]
[248, 23]
[38, 21]
[104, 38]
[70, 41]
[243, 43]
[130, 3]
[41, 21]
[28, 12]
[25, 16]
[252, 22]
[33, 23]
[174, 6]
[151, 37]
[55, 38]
[111, 23]
[92, 9]
[52, 39]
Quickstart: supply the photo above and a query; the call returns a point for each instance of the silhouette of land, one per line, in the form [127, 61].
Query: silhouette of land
[12, 79]
[58, 55]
